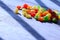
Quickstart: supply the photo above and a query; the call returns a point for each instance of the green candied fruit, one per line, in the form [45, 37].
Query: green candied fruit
[54, 20]
[46, 18]
[43, 9]
[38, 7]
[58, 13]
[36, 17]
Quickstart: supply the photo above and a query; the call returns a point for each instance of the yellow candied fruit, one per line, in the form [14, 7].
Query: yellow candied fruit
[28, 16]
[16, 10]
[59, 17]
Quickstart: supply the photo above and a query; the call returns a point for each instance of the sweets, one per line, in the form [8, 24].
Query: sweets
[39, 13]
[19, 7]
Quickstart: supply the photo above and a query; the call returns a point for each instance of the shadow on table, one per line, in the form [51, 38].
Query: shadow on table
[56, 2]
[1, 38]
[58, 22]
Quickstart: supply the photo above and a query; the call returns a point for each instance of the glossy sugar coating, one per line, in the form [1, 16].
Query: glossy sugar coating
[39, 13]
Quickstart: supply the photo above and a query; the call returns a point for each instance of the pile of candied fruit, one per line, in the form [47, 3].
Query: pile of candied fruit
[39, 13]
